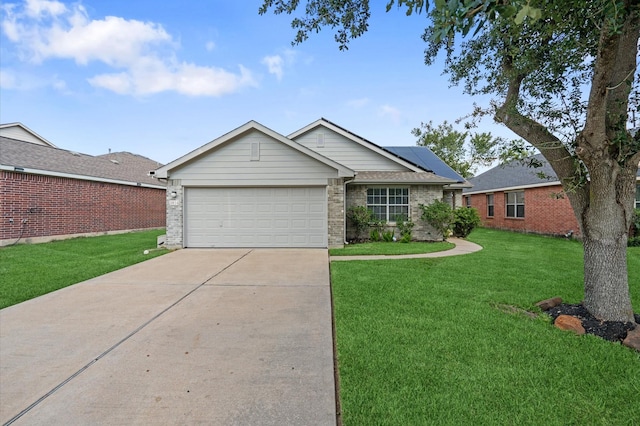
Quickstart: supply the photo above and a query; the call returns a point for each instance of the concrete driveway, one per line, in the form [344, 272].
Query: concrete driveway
[218, 337]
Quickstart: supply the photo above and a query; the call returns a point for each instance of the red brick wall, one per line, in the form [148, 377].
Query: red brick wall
[61, 206]
[546, 211]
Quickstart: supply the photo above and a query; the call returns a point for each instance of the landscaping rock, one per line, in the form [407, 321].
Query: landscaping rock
[633, 339]
[547, 304]
[567, 322]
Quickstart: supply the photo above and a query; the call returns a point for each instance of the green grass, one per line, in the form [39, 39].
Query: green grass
[31, 270]
[383, 248]
[422, 341]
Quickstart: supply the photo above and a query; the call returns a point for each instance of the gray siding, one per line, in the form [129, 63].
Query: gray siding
[18, 133]
[232, 165]
[347, 152]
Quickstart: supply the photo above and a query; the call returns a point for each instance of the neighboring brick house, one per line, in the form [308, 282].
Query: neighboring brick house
[517, 197]
[49, 193]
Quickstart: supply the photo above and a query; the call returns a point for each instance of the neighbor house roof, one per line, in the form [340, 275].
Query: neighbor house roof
[516, 174]
[163, 172]
[119, 167]
[21, 132]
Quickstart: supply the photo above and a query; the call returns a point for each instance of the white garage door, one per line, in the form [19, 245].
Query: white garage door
[256, 217]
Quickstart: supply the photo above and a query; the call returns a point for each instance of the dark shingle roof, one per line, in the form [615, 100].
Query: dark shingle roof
[514, 174]
[122, 166]
[425, 158]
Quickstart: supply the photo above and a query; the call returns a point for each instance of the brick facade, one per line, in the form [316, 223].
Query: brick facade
[45, 206]
[418, 194]
[547, 211]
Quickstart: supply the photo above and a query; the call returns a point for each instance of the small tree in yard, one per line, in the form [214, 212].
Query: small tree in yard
[439, 215]
[561, 73]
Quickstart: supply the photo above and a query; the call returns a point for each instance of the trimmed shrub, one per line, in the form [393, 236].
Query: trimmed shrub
[465, 219]
[405, 227]
[360, 217]
[439, 215]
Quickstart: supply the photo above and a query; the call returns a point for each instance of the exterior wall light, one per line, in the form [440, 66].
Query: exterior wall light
[173, 194]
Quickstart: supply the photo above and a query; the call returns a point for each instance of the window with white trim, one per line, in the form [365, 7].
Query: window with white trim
[514, 202]
[489, 205]
[467, 201]
[388, 203]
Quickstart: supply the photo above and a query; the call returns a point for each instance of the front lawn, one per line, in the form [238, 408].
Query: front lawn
[31, 270]
[425, 341]
[384, 248]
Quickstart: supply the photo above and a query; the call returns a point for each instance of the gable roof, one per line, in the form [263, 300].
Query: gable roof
[425, 158]
[164, 171]
[359, 140]
[118, 167]
[19, 131]
[516, 174]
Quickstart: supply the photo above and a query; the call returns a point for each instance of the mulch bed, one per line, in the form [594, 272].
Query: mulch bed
[614, 331]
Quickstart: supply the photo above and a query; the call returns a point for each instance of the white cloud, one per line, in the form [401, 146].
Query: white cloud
[186, 79]
[358, 103]
[39, 8]
[390, 112]
[210, 46]
[275, 65]
[142, 54]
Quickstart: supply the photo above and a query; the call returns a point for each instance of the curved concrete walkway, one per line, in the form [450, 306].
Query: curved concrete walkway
[462, 247]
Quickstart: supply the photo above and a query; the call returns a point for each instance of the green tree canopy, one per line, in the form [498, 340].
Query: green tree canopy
[464, 151]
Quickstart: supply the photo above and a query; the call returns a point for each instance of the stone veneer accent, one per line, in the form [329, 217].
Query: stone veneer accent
[418, 194]
[335, 212]
[175, 214]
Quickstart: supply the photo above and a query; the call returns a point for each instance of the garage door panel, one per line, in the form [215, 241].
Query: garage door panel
[255, 217]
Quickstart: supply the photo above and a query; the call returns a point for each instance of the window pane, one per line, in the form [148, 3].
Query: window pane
[379, 212]
[510, 198]
[395, 211]
[520, 210]
[519, 197]
[490, 211]
[510, 210]
[490, 199]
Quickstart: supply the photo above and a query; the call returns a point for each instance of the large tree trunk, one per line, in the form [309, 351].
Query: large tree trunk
[605, 224]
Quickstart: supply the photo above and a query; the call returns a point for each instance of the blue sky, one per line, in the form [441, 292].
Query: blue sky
[163, 78]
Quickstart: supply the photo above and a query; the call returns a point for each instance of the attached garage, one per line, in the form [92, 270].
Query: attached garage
[253, 187]
[255, 217]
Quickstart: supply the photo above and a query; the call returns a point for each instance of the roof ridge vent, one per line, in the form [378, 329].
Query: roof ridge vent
[74, 153]
[114, 161]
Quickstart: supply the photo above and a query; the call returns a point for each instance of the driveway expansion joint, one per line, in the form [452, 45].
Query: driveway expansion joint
[116, 345]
